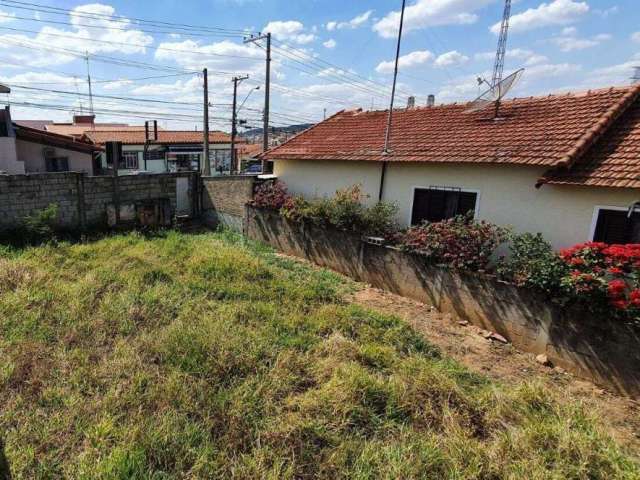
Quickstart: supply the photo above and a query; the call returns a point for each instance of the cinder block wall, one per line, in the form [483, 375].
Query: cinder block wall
[22, 195]
[81, 199]
[224, 200]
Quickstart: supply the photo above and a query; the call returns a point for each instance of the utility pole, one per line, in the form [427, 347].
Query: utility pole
[267, 91]
[206, 170]
[89, 81]
[234, 122]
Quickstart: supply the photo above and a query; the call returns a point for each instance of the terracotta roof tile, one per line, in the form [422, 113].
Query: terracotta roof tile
[614, 161]
[531, 131]
[166, 137]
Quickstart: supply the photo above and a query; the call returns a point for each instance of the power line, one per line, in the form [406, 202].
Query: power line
[104, 27]
[130, 20]
[127, 44]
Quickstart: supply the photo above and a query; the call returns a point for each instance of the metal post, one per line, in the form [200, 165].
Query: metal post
[234, 122]
[207, 160]
[89, 81]
[395, 80]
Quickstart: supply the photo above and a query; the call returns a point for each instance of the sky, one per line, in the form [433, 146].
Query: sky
[145, 57]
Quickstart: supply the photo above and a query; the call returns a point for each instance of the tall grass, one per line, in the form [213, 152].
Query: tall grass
[205, 357]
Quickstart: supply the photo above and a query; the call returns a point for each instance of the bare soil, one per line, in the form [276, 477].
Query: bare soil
[466, 344]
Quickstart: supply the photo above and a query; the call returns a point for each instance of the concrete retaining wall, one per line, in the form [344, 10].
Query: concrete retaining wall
[596, 349]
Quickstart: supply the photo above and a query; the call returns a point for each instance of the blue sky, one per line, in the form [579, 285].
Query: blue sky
[328, 54]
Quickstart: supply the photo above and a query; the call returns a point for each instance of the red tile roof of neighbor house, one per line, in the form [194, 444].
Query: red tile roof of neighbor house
[166, 137]
[555, 131]
[54, 139]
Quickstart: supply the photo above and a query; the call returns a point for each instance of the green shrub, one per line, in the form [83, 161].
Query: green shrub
[346, 210]
[39, 227]
[532, 262]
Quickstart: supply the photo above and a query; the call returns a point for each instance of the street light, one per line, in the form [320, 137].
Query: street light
[247, 97]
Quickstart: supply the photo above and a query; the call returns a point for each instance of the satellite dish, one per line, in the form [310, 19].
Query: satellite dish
[496, 93]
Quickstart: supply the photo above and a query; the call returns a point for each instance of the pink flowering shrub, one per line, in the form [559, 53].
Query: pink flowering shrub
[460, 242]
[271, 195]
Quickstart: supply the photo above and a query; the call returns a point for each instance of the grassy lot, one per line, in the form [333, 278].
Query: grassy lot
[201, 357]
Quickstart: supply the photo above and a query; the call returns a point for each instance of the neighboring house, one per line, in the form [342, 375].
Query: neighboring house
[172, 151]
[567, 166]
[30, 150]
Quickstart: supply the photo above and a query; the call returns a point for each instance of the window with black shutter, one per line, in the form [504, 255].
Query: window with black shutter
[436, 204]
[57, 164]
[616, 227]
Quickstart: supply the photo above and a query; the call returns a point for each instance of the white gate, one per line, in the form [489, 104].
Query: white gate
[183, 198]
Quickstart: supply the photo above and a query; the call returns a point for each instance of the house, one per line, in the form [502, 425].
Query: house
[567, 166]
[79, 125]
[25, 149]
[172, 151]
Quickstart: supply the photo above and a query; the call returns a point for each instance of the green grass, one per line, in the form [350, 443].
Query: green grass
[204, 357]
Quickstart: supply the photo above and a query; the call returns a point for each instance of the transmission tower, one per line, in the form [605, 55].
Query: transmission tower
[502, 45]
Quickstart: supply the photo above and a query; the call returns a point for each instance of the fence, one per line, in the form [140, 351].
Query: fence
[596, 349]
[97, 202]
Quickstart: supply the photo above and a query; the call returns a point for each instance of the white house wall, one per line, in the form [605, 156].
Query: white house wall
[506, 194]
[9, 162]
[31, 154]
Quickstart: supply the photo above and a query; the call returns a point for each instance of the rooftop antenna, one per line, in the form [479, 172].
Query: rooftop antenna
[89, 81]
[499, 87]
[498, 66]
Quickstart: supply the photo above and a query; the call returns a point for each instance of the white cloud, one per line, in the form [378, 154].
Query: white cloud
[451, 58]
[605, 13]
[557, 12]
[635, 37]
[331, 43]
[6, 17]
[353, 23]
[525, 56]
[290, 30]
[428, 13]
[570, 42]
[419, 57]
[112, 36]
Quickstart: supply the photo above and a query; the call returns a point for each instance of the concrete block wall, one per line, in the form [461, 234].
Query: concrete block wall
[224, 200]
[22, 195]
[82, 200]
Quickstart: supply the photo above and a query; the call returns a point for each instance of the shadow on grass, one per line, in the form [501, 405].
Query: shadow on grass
[5, 472]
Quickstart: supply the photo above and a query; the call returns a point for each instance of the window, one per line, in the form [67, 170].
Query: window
[222, 160]
[57, 164]
[613, 225]
[130, 160]
[435, 204]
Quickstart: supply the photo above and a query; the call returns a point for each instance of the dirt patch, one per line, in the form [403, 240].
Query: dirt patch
[468, 345]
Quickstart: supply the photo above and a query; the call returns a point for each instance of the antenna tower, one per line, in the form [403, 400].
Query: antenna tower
[498, 67]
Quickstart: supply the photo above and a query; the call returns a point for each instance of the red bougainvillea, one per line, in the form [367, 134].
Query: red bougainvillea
[611, 271]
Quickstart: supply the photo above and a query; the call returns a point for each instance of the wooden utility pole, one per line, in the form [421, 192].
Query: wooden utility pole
[267, 91]
[234, 122]
[206, 170]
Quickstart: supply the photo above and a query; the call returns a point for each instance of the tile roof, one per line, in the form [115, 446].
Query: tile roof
[81, 129]
[53, 139]
[166, 137]
[547, 131]
[613, 161]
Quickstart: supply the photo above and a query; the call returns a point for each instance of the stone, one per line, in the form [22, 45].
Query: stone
[498, 338]
[485, 333]
[463, 323]
[542, 359]
[559, 370]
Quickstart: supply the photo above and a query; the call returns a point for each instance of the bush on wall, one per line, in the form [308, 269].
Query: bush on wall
[460, 242]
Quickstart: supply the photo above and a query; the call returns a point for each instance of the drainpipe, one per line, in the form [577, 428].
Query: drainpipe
[383, 173]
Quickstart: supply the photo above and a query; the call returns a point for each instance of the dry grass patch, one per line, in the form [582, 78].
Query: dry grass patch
[206, 357]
